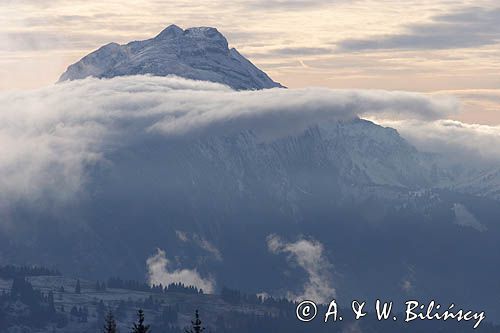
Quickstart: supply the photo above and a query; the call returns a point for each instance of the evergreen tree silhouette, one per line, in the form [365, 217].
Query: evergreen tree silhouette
[110, 323]
[78, 289]
[195, 324]
[139, 327]
[52, 307]
[101, 313]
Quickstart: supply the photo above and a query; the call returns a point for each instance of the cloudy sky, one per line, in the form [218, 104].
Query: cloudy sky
[433, 46]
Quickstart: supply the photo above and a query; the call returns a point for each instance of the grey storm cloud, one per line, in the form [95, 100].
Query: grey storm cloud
[470, 27]
[50, 137]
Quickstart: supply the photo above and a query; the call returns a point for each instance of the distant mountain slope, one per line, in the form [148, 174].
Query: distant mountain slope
[196, 53]
[485, 183]
[66, 311]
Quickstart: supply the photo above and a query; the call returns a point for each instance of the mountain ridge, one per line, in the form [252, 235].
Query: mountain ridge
[199, 53]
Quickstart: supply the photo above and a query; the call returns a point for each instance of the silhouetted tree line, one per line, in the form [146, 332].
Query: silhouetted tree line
[159, 289]
[80, 313]
[100, 286]
[278, 316]
[242, 322]
[11, 271]
[40, 307]
[140, 326]
[233, 296]
[150, 303]
[38, 310]
[23, 291]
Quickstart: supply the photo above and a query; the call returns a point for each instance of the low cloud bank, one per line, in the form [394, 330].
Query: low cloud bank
[49, 137]
[160, 272]
[309, 255]
[460, 142]
[276, 112]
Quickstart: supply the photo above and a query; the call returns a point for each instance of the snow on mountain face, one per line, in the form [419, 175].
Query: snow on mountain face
[485, 183]
[338, 159]
[196, 53]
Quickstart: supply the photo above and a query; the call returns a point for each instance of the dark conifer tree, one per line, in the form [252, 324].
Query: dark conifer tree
[110, 323]
[139, 327]
[73, 311]
[101, 313]
[121, 310]
[195, 324]
[50, 300]
[78, 288]
[84, 314]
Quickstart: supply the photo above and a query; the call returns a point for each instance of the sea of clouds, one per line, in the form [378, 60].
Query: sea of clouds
[49, 136]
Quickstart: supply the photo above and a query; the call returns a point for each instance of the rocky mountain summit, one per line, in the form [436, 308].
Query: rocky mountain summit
[200, 53]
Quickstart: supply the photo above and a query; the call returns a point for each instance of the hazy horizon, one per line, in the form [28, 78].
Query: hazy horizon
[427, 46]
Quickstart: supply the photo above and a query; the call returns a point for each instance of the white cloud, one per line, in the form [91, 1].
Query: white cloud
[283, 112]
[181, 235]
[408, 283]
[49, 137]
[460, 142]
[206, 245]
[160, 272]
[465, 218]
[407, 286]
[201, 242]
[308, 254]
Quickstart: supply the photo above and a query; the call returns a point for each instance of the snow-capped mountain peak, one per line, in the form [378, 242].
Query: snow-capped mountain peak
[200, 53]
[169, 32]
